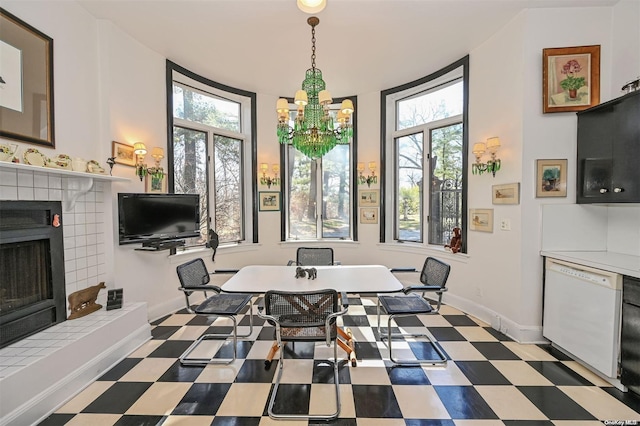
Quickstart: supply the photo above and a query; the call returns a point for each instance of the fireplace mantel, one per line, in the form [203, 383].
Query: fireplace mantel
[79, 182]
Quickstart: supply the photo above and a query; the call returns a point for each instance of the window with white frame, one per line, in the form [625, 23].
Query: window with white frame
[210, 148]
[319, 194]
[425, 155]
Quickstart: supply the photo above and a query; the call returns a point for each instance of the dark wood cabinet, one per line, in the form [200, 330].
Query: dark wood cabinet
[609, 152]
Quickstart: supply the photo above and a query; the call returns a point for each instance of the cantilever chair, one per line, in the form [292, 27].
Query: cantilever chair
[313, 256]
[433, 278]
[193, 277]
[309, 317]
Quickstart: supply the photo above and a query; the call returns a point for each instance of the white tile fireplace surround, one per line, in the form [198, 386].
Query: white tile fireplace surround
[41, 371]
[83, 225]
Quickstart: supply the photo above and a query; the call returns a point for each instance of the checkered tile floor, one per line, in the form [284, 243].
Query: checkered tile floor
[489, 380]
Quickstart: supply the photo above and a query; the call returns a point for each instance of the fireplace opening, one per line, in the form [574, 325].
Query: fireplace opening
[32, 288]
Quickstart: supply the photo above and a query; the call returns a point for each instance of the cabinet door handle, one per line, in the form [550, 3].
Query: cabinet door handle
[603, 190]
[618, 190]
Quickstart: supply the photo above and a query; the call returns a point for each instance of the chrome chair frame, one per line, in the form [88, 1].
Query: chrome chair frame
[434, 277]
[231, 305]
[287, 322]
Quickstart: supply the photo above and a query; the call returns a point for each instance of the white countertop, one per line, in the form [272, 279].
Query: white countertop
[609, 261]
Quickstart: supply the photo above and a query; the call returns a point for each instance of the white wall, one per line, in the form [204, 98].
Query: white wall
[110, 87]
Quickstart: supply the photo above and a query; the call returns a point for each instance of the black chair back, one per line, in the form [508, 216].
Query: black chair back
[435, 272]
[193, 273]
[299, 310]
[314, 256]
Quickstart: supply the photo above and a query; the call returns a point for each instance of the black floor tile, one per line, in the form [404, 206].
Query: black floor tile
[482, 373]
[170, 349]
[429, 422]
[630, 399]
[299, 350]
[527, 422]
[202, 399]
[446, 334]
[245, 321]
[118, 398]
[559, 355]
[235, 421]
[336, 422]
[460, 320]
[355, 301]
[159, 320]
[410, 321]
[242, 349]
[425, 350]
[323, 372]
[554, 403]
[495, 351]
[267, 333]
[355, 321]
[375, 401]
[57, 420]
[464, 402]
[407, 376]
[140, 421]
[254, 371]
[202, 320]
[293, 399]
[180, 373]
[162, 332]
[558, 373]
[367, 350]
[120, 369]
[498, 335]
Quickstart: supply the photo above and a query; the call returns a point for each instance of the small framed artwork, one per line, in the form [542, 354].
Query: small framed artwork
[369, 198]
[155, 183]
[506, 194]
[571, 78]
[551, 178]
[368, 215]
[26, 82]
[123, 153]
[481, 220]
[269, 201]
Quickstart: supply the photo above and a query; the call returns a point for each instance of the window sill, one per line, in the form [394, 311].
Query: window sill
[203, 251]
[311, 243]
[420, 248]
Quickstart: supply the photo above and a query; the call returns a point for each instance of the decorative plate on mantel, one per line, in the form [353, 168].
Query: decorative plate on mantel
[34, 157]
[62, 161]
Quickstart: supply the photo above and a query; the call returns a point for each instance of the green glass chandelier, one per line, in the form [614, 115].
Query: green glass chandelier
[314, 132]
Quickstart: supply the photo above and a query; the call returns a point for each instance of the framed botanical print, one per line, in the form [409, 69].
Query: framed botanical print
[571, 78]
[269, 201]
[26, 82]
[551, 178]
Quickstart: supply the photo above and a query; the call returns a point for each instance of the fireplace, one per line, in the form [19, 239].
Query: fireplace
[32, 282]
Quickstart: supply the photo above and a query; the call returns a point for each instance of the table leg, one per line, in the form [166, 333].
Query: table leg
[272, 352]
[346, 342]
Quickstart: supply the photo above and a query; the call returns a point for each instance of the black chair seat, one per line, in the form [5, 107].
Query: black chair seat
[405, 305]
[229, 304]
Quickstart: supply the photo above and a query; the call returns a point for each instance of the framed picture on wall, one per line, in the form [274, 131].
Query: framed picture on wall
[551, 178]
[506, 194]
[481, 220]
[571, 78]
[155, 183]
[269, 201]
[369, 215]
[26, 82]
[369, 198]
[123, 153]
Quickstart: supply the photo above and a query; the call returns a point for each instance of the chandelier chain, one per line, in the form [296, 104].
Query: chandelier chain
[313, 47]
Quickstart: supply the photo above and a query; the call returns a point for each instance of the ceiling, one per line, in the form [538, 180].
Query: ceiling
[363, 46]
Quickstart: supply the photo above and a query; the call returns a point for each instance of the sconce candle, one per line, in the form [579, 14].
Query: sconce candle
[139, 149]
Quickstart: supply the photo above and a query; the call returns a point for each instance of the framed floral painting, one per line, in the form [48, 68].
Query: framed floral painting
[571, 78]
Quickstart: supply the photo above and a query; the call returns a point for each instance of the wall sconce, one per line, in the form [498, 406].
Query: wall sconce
[140, 150]
[369, 179]
[268, 180]
[493, 165]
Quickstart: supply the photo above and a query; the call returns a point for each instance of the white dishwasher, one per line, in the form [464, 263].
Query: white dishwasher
[582, 313]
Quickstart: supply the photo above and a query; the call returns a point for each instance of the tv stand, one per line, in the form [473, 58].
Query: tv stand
[161, 245]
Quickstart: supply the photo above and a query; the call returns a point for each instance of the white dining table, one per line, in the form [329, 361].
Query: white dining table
[258, 279]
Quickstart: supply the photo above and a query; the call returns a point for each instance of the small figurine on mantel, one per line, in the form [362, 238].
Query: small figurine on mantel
[83, 302]
[456, 242]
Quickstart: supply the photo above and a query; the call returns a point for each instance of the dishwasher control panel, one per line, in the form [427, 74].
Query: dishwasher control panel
[585, 273]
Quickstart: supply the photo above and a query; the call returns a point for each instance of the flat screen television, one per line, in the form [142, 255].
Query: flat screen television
[154, 219]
